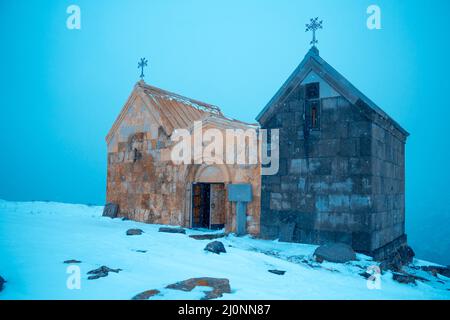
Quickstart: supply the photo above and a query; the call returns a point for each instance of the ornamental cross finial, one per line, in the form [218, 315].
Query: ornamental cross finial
[141, 65]
[314, 25]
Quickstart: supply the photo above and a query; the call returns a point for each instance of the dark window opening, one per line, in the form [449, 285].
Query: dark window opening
[314, 118]
[312, 106]
[312, 91]
[136, 155]
[313, 114]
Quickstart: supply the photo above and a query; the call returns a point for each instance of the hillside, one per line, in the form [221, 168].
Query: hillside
[37, 237]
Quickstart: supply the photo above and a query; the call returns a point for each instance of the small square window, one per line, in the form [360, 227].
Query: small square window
[312, 91]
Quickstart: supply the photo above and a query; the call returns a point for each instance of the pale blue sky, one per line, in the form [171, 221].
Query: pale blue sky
[62, 89]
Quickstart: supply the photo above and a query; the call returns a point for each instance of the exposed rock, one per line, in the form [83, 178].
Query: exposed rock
[335, 252]
[215, 247]
[278, 272]
[404, 278]
[393, 263]
[134, 232]
[111, 210]
[406, 254]
[172, 230]
[146, 295]
[365, 275]
[72, 261]
[101, 272]
[141, 251]
[435, 270]
[219, 286]
[287, 231]
[403, 256]
[2, 283]
[407, 278]
[208, 236]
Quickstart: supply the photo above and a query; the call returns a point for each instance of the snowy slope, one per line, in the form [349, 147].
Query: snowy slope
[36, 237]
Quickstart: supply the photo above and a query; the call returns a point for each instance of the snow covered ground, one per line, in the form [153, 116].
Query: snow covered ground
[36, 237]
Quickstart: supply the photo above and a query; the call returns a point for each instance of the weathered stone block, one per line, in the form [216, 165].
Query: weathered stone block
[275, 201]
[287, 232]
[349, 147]
[322, 203]
[297, 166]
[339, 202]
[359, 129]
[360, 203]
[111, 210]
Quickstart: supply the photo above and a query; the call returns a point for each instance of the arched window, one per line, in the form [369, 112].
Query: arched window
[313, 114]
[312, 103]
[314, 117]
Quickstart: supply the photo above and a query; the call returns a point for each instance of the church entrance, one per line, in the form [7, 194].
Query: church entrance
[208, 205]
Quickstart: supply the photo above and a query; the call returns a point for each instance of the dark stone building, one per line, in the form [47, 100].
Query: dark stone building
[342, 165]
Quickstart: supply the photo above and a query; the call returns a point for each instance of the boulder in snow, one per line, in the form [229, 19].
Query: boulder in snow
[435, 270]
[172, 230]
[278, 272]
[215, 247]
[335, 252]
[111, 210]
[393, 263]
[211, 236]
[287, 231]
[2, 283]
[146, 295]
[101, 272]
[406, 254]
[404, 278]
[72, 261]
[403, 256]
[134, 232]
[365, 275]
[219, 286]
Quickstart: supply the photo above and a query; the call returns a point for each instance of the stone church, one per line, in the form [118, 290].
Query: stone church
[341, 174]
[144, 184]
[342, 165]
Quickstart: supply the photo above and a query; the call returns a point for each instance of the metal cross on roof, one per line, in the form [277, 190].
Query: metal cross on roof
[141, 65]
[314, 25]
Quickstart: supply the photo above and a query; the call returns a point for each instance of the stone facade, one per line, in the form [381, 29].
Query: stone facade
[144, 182]
[342, 167]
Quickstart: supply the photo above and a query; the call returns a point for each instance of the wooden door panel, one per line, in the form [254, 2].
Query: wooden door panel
[201, 205]
[217, 206]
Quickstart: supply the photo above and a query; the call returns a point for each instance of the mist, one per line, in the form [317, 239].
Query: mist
[62, 89]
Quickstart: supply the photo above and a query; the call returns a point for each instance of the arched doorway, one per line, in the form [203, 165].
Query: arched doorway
[208, 197]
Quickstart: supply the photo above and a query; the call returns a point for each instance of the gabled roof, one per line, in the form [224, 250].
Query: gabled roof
[171, 110]
[177, 111]
[221, 122]
[313, 62]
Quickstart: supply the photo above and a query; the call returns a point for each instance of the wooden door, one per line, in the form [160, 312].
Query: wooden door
[217, 206]
[201, 205]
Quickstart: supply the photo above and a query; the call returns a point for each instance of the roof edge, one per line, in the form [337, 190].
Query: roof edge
[214, 108]
[342, 85]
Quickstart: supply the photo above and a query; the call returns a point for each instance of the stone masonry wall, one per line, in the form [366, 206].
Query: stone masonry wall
[149, 188]
[388, 185]
[342, 183]
[137, 180]
[324, 182]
